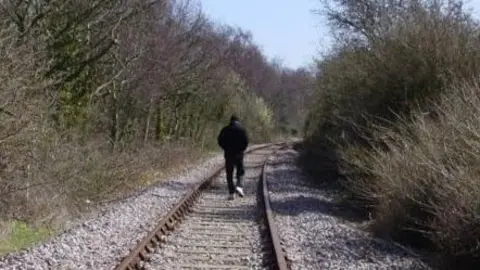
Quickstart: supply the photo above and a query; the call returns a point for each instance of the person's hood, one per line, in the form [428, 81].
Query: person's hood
[235, 123]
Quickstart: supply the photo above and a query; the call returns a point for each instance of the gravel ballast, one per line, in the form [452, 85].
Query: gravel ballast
[99, 242]
[313, 237]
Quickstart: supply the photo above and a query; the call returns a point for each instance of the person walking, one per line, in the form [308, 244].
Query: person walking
[233, 140]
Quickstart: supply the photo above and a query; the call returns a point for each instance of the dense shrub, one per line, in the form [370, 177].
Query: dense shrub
[424, 181]
[396, 126]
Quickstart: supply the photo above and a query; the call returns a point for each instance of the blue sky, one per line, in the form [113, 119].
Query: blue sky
[285, 29]
[475, 6]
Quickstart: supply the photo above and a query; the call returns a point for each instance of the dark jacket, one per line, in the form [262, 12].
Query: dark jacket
[233, 139]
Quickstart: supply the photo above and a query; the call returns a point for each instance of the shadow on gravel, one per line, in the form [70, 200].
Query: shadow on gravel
[318, 190]
[301, 196]
[310, 198]
[299, 204]
[367, 253]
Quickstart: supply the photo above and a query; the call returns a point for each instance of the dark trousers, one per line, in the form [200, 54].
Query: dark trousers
[231, 162]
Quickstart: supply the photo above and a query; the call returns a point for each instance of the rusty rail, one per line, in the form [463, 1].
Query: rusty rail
[279, 257]
[141, 253]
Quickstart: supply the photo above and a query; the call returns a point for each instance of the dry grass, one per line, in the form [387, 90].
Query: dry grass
[410, 162]
[49, 181]
[424, 183]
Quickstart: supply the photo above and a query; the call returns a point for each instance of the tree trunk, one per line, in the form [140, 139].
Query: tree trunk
[158, 124]
[147, 124]
[115, 129]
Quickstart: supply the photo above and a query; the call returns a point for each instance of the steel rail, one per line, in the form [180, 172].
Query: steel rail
[141, 253]
[279, 257]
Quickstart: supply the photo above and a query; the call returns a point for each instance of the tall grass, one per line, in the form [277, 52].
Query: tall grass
[424, 180]
[59, 178]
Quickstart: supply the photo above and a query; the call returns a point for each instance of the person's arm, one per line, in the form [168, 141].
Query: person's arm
[245, 140]
[221, 139]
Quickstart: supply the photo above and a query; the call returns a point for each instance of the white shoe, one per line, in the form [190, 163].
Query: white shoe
[231, 197]
[239, 190]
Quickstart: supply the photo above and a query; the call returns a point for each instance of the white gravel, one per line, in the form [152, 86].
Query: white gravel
[99, 242]
[316, 239]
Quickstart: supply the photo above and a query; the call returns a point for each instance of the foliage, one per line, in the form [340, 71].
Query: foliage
[21, 236]
[95, 93]
[392, 123]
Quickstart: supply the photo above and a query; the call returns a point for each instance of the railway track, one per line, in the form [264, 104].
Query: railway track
[206, 231]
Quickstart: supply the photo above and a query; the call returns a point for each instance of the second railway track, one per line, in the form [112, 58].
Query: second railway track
[206, 231]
